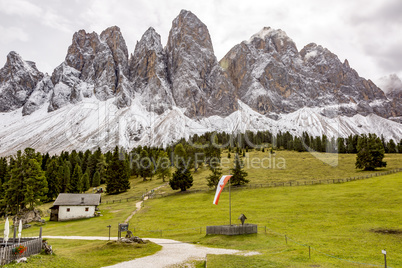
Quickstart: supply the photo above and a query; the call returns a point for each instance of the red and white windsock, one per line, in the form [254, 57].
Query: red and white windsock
[221, 184]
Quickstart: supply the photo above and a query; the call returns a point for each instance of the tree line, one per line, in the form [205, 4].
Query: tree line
[30, 178]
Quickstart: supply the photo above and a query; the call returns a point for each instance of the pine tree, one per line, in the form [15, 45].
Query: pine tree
[214, 167]
[85, 182]
[146, 167]
[399, 147]
[66, 178]
[341, 145]
[54, 179]
[96, 180]
[3, 169]
[370, 152]
[101, 166]
[35, 184]
[75, 183]
[163, 168]
[391, 146]
[182, 178]
[27, 184]
[117, 174]
[14, 193]
[238, 174]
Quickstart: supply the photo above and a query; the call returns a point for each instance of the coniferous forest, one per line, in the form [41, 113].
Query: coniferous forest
[30, 178]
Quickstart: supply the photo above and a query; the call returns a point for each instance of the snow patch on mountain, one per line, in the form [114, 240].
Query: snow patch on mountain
[92, 123]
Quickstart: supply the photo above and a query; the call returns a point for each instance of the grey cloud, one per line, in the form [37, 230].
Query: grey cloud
[389, 13]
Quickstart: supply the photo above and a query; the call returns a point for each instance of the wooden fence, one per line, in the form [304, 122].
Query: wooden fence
[260, 185]
[33, 245]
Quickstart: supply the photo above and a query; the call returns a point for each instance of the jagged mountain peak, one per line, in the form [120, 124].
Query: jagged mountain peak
[150, 40]
[18, 79]
[318, 54]
[260, 83]
[15, 62]
[198, 82]
[147, 72]
[271, 40]
[187, 27]
[268, 32]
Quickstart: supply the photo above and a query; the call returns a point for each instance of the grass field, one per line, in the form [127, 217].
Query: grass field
[82, 253]
[342, 220]
[337, 219]
[287, 166]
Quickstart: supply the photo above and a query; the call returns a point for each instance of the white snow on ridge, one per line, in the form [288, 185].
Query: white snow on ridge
[92, 123]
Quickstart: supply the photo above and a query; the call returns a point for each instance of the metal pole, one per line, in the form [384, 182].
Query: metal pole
[230, 206]
[385, 259]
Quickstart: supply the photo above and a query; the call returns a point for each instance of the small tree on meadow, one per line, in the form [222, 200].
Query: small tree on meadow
[163, 169]
[238, 174]
[214, 167]
[370, 152]
[146, 167]
[182, 178]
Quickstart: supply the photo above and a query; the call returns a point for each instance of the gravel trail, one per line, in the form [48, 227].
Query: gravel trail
[172, 252]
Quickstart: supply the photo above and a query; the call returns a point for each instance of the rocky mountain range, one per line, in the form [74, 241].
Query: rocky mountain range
[155, 86]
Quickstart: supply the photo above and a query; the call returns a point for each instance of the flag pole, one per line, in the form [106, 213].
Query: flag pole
[230, 206]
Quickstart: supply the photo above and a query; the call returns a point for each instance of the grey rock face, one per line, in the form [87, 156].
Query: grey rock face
[270, 75]
[93, 65]
[18, 79]
[148, 73]
[198, 83]
[39, 96]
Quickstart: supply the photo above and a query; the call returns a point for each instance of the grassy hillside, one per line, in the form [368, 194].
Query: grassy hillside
[347, 221]
[342, 220]
[81, 253]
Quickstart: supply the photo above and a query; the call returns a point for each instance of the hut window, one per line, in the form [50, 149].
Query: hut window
[86, 209]
[68, 209]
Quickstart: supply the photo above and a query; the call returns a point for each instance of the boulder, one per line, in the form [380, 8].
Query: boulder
[27, 216]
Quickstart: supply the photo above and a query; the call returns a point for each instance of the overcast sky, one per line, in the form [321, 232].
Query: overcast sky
[366, 32]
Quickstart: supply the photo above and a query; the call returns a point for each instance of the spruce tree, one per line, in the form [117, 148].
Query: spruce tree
[214, 167]
[27, 184]
[370, 152]
[76, 184]
[182, 178]
[146, 167]
[66, 178]
[85, 182]
[96, 180]
[238, 174]
[391, 146]
[117, 174]
[54, 179]
[163, 168]
[35, 184]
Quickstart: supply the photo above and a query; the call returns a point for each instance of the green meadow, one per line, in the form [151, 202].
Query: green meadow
[345, 224]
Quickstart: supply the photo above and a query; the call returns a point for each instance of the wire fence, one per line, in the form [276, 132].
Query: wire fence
[258, 185]
[288, 183]
[261, 229]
